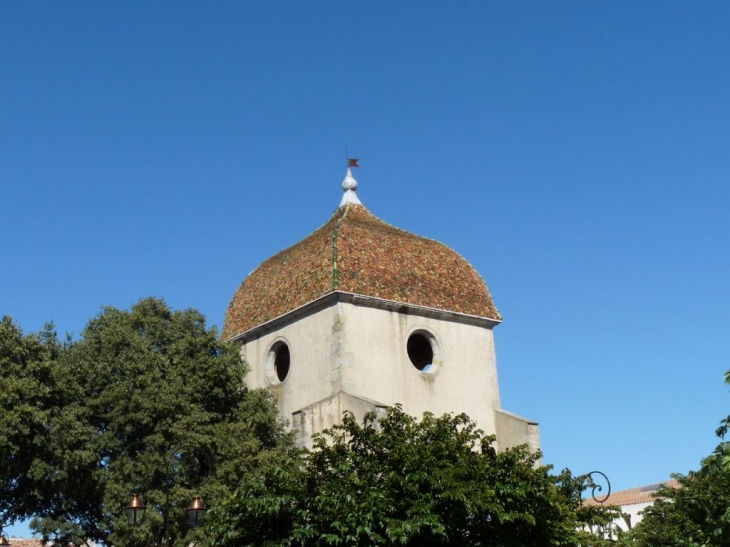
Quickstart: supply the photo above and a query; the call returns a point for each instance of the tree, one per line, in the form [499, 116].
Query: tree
[693, 515]
[698, 513]
[401, 481]
[26, 395]
[138, 402]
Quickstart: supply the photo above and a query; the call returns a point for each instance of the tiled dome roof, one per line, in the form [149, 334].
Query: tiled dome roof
[355, 252]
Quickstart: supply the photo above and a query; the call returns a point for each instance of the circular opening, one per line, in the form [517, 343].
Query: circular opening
[420, 350]
[281, 360]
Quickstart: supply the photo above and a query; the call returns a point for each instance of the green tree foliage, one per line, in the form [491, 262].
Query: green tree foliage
[722, 430]
[698, 513]
[400, 481]
[694, 515]
[138, 402]
[26, 397]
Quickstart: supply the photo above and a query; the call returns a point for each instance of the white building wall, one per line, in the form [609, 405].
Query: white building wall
[310, 345]
[361, 351]
[463, 379]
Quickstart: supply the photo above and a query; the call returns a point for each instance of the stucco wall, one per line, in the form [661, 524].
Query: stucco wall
[513, 430]
[310, 342]
[325, 414]
[465, 379]
[361, 351]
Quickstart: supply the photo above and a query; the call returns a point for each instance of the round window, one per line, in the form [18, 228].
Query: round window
[281, 360]
[420, 350]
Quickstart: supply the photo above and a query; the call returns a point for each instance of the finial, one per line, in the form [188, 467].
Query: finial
[349, 185]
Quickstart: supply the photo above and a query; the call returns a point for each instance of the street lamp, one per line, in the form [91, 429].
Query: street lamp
[604, 531]
[136, 508]
[196, 511]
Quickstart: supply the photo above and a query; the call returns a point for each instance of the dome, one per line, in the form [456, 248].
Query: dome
[357, 253]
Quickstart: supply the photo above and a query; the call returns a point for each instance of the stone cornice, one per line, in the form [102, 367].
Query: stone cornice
[334, 297]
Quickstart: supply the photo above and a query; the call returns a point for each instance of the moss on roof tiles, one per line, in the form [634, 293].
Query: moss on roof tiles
[358, 253]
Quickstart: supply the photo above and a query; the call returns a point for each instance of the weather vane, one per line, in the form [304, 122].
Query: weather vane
[351, 162]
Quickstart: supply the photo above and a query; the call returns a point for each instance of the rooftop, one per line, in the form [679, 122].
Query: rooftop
[632, 496]
[356, 252]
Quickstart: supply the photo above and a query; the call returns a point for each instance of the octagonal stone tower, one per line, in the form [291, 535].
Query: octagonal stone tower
[361, 315]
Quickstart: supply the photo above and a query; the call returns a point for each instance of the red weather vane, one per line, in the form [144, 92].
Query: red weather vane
[351, 162]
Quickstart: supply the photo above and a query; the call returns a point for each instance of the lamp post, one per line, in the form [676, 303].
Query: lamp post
[600, 499]
[135, 509]
[604, 531]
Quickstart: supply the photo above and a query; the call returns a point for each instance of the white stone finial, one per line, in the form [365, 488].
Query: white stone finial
[349, 185]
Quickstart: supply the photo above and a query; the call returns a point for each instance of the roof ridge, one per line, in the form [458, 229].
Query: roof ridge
[335, 234]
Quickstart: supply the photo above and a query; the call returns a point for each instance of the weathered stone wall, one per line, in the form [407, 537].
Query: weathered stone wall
[361, 351]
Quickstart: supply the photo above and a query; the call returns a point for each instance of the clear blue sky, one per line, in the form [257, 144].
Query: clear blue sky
[576, 153]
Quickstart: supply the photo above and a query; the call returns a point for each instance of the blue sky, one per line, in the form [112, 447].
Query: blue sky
[576, 153]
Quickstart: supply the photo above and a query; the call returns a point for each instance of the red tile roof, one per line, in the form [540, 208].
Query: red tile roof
[632, 496]
[355, 252]
[18, 542]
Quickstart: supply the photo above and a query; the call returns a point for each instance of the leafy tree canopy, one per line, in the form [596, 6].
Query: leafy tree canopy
[694, 515]
[137, 403]
[698, 513]
[400, 481]
[26, 397]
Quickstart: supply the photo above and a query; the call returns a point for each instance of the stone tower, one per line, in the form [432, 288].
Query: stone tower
[361, 315]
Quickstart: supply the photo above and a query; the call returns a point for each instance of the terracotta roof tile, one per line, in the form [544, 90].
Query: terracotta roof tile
[632, 496]
[37, 542]
[358, 253]
[25, 542]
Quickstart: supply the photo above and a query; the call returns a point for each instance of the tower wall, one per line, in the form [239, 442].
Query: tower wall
[462, 377]
[361, 351]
